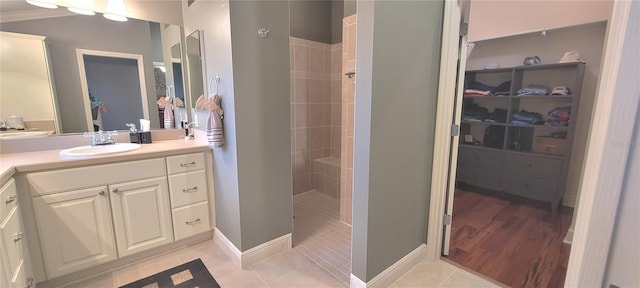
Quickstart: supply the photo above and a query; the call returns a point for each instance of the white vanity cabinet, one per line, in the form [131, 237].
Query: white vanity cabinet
[126, 210]
[15, 265]
[141, 215]
[75, 229]
[189, 194]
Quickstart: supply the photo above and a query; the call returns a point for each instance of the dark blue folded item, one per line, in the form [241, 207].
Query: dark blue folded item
[528, 117]
[557, 123]
[560, 110]
[533, 90]
[519, 122]
[502, 88]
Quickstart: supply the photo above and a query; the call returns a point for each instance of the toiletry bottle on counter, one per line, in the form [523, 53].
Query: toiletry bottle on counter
[145, 134]
[133, 133]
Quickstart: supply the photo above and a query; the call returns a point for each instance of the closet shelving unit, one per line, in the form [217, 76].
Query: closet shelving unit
[515, 168]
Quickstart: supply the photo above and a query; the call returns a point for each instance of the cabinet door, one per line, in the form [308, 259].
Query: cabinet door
[141, 215]
[75, 230]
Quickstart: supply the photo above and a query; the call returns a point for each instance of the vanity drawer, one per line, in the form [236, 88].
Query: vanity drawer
[9, 198]
[532, 187]
[188, 188]
[185, 163]
[538, 166]
[13, 237]
[63, 180]
[191, 220]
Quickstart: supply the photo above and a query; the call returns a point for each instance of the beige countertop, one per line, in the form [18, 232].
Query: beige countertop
[50, 159]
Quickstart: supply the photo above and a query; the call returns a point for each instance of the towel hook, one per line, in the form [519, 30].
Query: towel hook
[217, 80]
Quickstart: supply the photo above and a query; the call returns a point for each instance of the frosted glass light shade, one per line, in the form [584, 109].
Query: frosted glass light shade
[84, 7]
[116, 10]
[43, 4]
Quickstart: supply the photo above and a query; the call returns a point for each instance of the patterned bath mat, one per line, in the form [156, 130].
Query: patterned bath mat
[188, 275]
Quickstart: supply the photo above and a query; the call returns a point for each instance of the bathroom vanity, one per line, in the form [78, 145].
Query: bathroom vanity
[80, 217]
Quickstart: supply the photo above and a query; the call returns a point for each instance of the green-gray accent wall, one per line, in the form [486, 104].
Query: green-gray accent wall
[317, 20]
[396, 90]
[261, 84]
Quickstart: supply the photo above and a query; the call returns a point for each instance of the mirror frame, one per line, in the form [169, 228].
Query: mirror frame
[191, 112]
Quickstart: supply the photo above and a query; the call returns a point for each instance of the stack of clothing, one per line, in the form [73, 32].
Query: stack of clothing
[525, 117]
[559, 117]
[478, 89]
[474, 113]
[497, 116]
[533, 89]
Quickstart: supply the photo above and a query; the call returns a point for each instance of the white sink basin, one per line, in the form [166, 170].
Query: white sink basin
[87, 151]
[23, 134]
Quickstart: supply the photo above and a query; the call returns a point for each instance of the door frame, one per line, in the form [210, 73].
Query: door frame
[602, 174]
[85, 86]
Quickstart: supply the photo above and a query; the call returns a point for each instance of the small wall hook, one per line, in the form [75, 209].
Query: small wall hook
[263, 32]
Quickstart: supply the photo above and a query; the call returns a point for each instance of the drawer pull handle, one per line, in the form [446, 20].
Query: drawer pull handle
[115, 190]
[188, 164]
[189, 190]
[193, 222]
[10, 199]
[29, 282]
[18, 237]
[101, 193]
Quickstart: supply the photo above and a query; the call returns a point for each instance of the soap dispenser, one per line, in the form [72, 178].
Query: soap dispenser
[133, 133]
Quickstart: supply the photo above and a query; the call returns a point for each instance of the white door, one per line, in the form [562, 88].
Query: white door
[451, 186]
[75, 230]
[141, 215]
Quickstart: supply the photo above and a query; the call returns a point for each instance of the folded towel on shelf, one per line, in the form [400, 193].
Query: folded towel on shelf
[526, 117]
[533, 90]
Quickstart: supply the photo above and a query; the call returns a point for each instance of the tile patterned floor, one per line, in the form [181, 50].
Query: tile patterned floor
[319, 234]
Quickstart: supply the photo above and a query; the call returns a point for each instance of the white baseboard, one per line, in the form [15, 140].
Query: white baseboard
[393, 272]
[246, 258]
[227, 246]
[265, 250]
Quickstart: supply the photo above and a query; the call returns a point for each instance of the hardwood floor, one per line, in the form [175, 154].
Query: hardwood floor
[516, 242]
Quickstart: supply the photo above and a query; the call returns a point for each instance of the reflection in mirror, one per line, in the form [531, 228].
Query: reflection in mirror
[65, 34]
[195, 46]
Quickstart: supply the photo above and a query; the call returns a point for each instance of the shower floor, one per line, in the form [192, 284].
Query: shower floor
[320, 235]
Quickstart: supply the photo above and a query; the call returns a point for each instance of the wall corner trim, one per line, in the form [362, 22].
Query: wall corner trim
[247, 258]
[393, 272]
[226, 245]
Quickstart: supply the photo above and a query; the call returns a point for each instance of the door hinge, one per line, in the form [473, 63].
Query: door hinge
[447, 219]
[464, 29]
[455, 130]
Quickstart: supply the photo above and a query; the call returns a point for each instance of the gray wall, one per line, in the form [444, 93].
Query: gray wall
[624, 255]
[349, 7]
[65, 34]
[253, 170]
[396, 95]
[311, 20]
[261, 73]
[115, 81]
[337, 14]
[212, 17]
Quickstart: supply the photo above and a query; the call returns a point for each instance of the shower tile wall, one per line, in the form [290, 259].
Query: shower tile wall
[316, 110]
[348, 98]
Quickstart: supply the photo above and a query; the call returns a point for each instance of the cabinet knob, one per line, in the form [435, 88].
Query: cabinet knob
[529, 165]
[115, 190]
[18, 236]
[10, 199]
[192, 222]
[29, 282]
[189, 190]
[101, 193]
[187, 164]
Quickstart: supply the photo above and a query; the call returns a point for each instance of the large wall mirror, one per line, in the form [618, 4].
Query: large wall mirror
[195, 47]
[157, 44]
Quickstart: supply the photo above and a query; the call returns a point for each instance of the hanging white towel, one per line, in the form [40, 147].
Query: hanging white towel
[168, 113]
[215, 134]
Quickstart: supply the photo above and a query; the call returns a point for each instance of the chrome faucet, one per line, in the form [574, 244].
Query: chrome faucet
[188, 130]
[101, 137]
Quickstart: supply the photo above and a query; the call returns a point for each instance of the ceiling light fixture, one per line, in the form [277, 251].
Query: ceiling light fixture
[116, 10]
[84, 7]
[43, 4]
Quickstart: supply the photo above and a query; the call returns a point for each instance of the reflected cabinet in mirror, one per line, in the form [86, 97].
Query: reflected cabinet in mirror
[96, 73]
